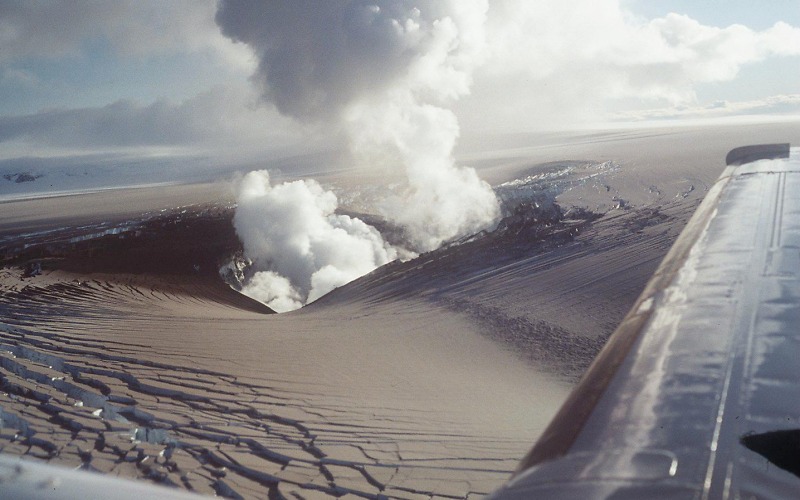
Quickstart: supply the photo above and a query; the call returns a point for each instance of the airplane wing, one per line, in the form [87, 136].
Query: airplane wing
[26, 479]
[697, 393]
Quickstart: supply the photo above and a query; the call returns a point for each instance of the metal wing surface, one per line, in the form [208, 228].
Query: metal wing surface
[697, 393]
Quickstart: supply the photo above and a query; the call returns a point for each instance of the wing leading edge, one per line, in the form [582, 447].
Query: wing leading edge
[696, 394]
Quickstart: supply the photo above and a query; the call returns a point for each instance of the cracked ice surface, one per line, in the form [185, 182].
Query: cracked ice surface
[149, 378]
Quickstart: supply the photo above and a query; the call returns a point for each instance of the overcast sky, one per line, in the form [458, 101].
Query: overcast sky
[194, 77]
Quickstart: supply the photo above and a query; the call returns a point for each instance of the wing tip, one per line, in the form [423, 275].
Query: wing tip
[748, 154]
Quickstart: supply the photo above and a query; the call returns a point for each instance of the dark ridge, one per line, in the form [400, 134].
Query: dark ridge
[190, 242]
[189, 245]
[781, 448]
[21, 177]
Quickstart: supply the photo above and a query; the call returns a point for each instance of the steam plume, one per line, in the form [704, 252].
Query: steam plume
[382, 71]
[300, 248]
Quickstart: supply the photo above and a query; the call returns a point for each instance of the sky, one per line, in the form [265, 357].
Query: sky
[225, 84]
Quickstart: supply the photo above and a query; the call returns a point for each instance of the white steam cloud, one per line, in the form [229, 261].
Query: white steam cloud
[442, 201]
[300, 248]
[383, 72]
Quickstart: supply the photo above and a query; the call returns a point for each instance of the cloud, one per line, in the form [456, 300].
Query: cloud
[508, 64]
[317, 58]
[779, 105]
[223, 117]
[300, 248]
[556, 63]
[44, 29]
[19, 78]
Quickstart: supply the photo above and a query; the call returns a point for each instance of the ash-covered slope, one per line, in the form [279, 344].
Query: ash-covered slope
[550, 284]
[146, 369]
[127, 354]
